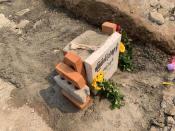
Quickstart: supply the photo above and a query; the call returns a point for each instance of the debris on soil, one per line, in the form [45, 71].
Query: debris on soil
[157, 17]
[22, 24]
[22, 12]
[172, 18]
[74, 46]
[167, 111]
[162, 9]
[5, 22]
[37, 24]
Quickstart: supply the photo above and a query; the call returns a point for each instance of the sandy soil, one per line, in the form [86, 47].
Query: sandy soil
[27, 62]
[135, 16]
[18, 119]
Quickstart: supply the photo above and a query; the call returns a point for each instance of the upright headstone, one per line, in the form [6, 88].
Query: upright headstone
[104, 59]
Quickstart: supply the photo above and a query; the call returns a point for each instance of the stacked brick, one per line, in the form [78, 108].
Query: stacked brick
[71, 78]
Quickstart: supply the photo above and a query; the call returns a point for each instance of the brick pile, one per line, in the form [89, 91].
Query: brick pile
[71, 78]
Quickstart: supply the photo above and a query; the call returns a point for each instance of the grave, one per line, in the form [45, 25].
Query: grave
[84, 57]
[104, 56]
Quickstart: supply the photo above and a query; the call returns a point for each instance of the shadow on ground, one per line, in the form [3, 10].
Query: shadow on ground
[54, 98]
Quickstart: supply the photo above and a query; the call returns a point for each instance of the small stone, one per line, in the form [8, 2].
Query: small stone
[38, 23]
[32, 111]
[166, 128]
[154, 3]
[170, 121]
[164, 12]
[56, 51]
[174, 100]
[163, 104]
[157, 18]
[22, 12]
[158, 123]
[166, 4]
[154, 10]
[172, 18]
[170, 110]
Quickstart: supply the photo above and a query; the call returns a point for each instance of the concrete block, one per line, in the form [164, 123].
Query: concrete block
[75, 102]
[109, 28]
[104, 59]
[71, 75]
[74, 61]
[79, 94]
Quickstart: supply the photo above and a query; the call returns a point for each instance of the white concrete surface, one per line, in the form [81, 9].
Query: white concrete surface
[104, 59]
[78, 94]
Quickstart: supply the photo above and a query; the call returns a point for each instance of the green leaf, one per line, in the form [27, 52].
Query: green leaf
[125, 59]
[112, 93]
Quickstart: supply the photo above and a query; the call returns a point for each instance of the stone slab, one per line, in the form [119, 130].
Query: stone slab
[89, 37]
[104, 59]
[78, 94]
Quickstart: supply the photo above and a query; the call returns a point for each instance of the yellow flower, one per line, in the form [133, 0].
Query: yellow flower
[97, 88]
[122, 47]
[99, 78]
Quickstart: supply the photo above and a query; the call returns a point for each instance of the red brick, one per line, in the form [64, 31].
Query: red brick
[71, 75]
[75, 102]
[75, 62]
[108, 28]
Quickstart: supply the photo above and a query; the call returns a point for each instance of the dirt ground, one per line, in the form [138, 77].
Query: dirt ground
[135, 16]
[27, 61]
